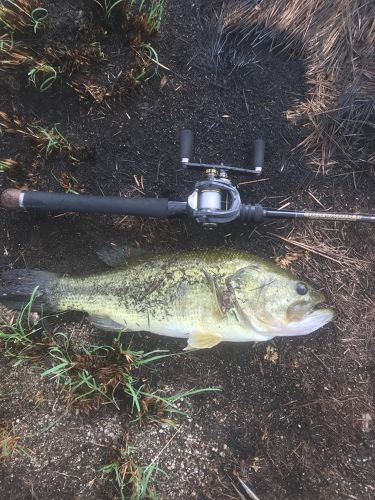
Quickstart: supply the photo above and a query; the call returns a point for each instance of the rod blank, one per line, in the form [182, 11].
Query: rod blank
[331, 216]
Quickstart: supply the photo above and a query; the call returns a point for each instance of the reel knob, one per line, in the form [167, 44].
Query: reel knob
[186, 145]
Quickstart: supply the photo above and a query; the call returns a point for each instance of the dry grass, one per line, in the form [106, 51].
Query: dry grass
[131, 480]
[19, 15]
[46, 141]
[9, 440]
[99, 93]
[46, 62]
[7, 163]
[44, 69]
[139, 29]
[73, 59]
[337, 40]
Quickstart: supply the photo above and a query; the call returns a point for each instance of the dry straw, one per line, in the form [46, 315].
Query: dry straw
[337, 40]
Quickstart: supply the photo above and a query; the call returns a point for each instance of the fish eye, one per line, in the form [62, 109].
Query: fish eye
[301, 289]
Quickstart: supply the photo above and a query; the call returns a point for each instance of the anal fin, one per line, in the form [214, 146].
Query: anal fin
[105, 323]
[203, 340]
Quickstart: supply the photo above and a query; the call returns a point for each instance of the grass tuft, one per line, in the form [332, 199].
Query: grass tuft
[107, 7]
[50, 141]
[146, 59]
[47, 141]
[19, 15]
[22, 337]
[131, 480]
[6, 42]
[144, 16]
[42, 76]
[109, 374]
[10, 441]
[7, 163]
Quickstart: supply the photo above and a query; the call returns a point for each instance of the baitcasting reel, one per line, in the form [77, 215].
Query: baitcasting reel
[214, 200]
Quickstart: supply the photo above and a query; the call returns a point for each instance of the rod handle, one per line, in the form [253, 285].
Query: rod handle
[10, 199]
[61, 202]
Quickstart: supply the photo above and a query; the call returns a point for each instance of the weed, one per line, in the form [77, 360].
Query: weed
[156, 406]
[21, 337]
[70, 60]
[153, 14]
[131, 480]
[69, 183]
[107, 6]
[51, 141]
[98, 48]
[18, 15]
[62, 61]
[7, 164]
[6, 42]
[73, 372]
[90, 91]
[10, 441]
[145, 56]
[144, 15]
[10, 124]
[43, 76]
[56, 62]
[47, 141]
[13, 56]
[98, 374]
[106, 374]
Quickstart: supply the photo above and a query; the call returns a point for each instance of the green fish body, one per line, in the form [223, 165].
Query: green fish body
[203, 296]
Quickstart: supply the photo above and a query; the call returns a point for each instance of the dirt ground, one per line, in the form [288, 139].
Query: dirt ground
[299, 425]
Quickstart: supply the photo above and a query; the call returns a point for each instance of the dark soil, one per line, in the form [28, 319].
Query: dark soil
[299, 426]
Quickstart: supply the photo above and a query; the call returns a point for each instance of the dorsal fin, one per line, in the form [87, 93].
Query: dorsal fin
[118, 256]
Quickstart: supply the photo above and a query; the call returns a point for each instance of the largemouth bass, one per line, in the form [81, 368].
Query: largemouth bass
[204, 296]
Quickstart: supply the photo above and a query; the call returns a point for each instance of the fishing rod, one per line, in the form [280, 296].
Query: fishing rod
[214, 200]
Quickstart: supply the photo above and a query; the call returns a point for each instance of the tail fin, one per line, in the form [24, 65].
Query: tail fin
[20, 286]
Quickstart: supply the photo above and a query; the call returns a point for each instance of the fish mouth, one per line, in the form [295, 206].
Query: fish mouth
[311, 321]
[302, 308]
[307, 317]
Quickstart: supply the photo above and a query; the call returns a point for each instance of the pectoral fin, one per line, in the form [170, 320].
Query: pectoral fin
[202, 340]
[216, 292]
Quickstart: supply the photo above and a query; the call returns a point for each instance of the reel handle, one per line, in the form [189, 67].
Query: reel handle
[258, 155]
[186, 145]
